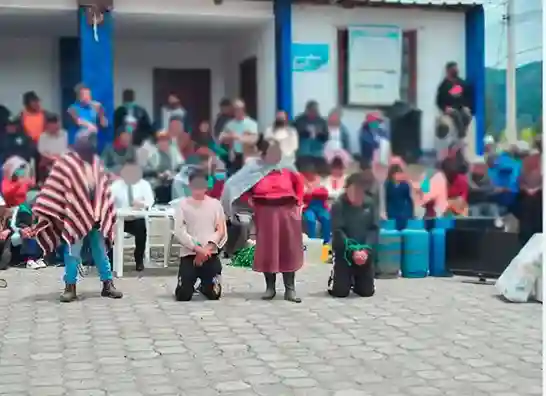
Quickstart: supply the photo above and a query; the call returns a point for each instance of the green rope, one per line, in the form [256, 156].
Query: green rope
[352, 246]
[244, 257]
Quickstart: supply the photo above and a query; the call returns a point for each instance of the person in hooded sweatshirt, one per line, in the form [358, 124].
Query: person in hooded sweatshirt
[355, 218]
[16, 142]
[16, 181]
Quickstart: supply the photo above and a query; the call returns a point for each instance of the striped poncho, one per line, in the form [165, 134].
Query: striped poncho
[65, 211]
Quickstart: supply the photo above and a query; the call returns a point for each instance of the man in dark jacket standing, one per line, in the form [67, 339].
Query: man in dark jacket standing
[355, 232]
[128, 110]
[454, 99]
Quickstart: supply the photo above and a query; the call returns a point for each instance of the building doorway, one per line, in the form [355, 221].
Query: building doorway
[248, 85]
[193, 87]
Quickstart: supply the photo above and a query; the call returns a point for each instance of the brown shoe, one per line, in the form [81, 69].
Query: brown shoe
[69, 294]
[109, 290]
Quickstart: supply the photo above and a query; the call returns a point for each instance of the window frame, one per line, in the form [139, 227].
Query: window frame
[409, 35]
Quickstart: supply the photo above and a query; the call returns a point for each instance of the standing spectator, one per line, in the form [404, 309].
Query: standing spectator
[241, 133]
[162, 166]
[33, 117]
[52, 144]
[85, 113]
[313, 132]
[131, 110]
[224, 116]
[284, 134]
[132, 191]
[120, 153]
[338, 144]
[16, 142]
[174, 109]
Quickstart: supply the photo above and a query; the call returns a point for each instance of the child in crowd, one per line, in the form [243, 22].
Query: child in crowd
[336, 181]
[398, 197]
[355, 232]
[16, 182]
[200, 226]
[315, 202]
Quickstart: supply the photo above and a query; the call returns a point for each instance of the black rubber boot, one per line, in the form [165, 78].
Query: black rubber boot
[270, 281]
[290, 287]
[109, 290]
[69, 294]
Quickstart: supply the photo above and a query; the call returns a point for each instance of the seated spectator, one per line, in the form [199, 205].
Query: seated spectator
[52, 144]
[162, 165]
[16, 182]
[355, 232]
[132, 191]
[22, 238]
[134, 116]
[398, 200]
[16, 142]
[120, 153]
[480, 191]
[457, 188]
[335, 183]
[315, 202]
[338, 144]
[200, 226]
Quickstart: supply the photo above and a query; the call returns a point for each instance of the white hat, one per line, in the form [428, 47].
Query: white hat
[488, 139]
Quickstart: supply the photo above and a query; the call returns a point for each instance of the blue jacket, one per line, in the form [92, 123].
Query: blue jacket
[505, 173]
[399, 204]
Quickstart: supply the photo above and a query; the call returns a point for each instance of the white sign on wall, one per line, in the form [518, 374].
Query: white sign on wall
[374, 64]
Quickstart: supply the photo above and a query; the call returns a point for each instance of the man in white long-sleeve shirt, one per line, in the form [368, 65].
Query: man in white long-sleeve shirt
[200, 226]
[132, 191]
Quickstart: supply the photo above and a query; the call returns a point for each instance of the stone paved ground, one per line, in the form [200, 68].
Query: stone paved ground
[415, 337]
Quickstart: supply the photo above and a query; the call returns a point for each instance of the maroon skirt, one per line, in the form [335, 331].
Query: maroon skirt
[279, 241]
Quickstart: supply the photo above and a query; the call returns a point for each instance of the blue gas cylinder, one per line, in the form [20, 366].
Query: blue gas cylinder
[389, 251]
[438, 246]
[416, 242]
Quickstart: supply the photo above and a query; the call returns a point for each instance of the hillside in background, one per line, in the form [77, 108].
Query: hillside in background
[529, 97]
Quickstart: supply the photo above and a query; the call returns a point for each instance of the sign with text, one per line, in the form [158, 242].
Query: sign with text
[374, 65]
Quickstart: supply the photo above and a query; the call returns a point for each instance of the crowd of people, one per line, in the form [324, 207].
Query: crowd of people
[295, 177]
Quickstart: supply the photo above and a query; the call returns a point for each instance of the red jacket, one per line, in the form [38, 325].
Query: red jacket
[217, 189]
[15, 192]
[279, 184]
[318, 193]
[458, 187]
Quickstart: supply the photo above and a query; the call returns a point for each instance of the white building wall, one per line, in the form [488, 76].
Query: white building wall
[440, 38]
[29, 64]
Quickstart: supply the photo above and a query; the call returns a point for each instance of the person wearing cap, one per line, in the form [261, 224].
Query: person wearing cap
[162, 166]
[241, 133]
[454, 99]
[142, 127]
[33, 117]
[355, 221]
[121, 152]
[312, 131]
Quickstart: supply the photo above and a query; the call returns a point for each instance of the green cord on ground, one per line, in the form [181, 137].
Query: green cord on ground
[244, 258]
[352, 246]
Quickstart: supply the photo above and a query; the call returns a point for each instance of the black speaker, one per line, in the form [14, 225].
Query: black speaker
[405, 124]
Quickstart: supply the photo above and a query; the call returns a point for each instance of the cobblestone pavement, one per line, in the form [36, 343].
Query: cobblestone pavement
[415, 337]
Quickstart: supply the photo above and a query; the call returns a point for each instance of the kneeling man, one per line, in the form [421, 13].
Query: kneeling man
[355, 224]
[200, 226]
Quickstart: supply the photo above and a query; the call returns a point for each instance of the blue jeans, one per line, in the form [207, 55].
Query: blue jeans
[316, 213]
[30, 250]
[72, 258]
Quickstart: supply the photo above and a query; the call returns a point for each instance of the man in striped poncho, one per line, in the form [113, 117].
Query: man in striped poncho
[75, 204]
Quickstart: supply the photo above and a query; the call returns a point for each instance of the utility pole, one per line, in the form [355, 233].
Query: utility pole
[511, 131]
